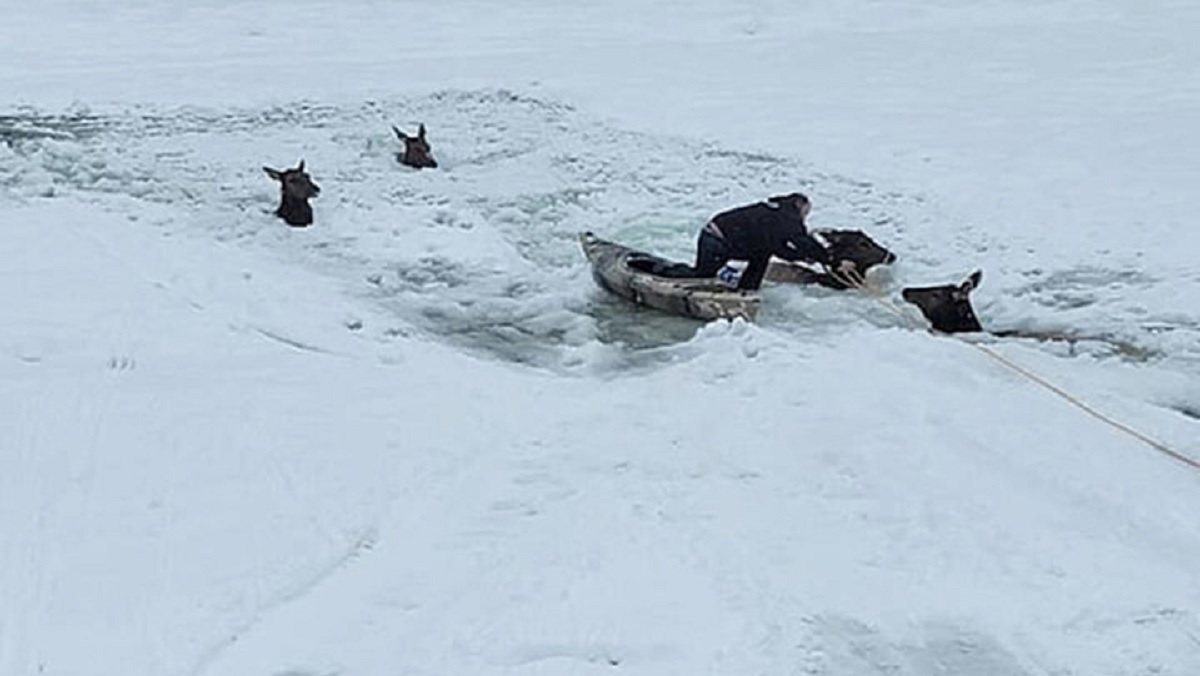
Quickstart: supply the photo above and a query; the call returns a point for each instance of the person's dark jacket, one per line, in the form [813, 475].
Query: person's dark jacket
[756, 232]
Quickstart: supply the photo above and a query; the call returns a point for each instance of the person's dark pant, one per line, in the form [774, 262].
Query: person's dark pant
[713, 252]
[752, 276]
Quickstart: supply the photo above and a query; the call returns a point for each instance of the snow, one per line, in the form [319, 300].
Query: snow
[417, 438]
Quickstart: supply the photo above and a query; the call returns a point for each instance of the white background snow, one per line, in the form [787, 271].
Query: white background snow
[416, 438]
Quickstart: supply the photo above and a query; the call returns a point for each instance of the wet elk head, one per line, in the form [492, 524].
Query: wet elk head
[295, 189]
[947, 307]
[854, 246]
[416, 149]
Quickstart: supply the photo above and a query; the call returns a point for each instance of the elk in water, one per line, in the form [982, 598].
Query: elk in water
[416, 149]
[295, 189]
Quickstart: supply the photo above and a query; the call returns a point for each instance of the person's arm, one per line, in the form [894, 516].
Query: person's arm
[802, 247]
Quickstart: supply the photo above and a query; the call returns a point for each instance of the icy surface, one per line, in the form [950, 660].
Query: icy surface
[416, 438]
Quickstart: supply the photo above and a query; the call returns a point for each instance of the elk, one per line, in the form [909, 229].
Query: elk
[295, 189]
[947, 307]
[416, 149]
[854, 246]
[948, 310]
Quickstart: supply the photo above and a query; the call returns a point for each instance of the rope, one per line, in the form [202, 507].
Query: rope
[852, 278]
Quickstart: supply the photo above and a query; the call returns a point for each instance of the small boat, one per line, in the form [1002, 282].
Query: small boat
[630, 273]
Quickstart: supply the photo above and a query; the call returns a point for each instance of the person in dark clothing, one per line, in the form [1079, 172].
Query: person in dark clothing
[754, 233]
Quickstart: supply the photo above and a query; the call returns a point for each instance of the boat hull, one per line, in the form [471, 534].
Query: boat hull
[622, 270]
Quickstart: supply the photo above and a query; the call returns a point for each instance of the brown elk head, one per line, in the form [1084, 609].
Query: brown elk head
[295, 189]
[947, 307]
[853, 246]
[416, 149]
[856, 247]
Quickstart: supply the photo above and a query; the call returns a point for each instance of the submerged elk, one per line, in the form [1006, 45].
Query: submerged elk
[853, 246]
[416, 149]
[295, 189]
[947, 307]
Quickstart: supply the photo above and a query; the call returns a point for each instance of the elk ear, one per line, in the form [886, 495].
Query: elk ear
[963, 291]
[300, 167]
[399, 134]
[273, 173]
[421, 131]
